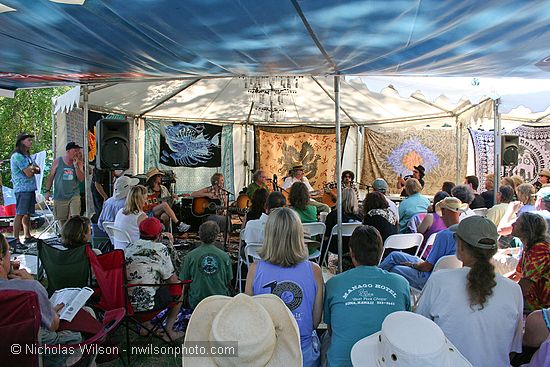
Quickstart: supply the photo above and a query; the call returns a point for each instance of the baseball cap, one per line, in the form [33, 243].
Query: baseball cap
[479, 232]
[23, 136]
[150, 228]
[380, 185]
[72, 145]
[544, 193]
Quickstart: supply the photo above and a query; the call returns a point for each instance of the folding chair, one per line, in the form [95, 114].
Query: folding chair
[347, 231]
[481, 211]
[110, 272]
[117, 234]
[250, 252]
[63, 268]
[315, 229]
[403, 241]
[421, 251]
[48, 215]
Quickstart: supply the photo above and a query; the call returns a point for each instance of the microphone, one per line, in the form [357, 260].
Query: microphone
[226, 191]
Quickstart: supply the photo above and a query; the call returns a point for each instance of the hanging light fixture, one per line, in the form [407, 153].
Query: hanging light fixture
[270, 94]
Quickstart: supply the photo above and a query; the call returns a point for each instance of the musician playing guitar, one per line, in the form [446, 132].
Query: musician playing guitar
[156, 203]
[297, 175]
[347, 181]
[216, 192]
[259, 181]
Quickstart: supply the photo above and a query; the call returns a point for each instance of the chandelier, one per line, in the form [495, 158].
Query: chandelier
[270, 94]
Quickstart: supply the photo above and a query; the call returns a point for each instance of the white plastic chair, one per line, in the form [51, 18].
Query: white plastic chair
[347, 231]
[117, 234]
[444, 262]
[428, 244]
[481, 211]
[250, 249]
[315, 229]
[403, 241]
[107, 227]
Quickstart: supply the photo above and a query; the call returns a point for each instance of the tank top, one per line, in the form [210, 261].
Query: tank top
[437, 226]
[128, 222]
[295, 286]
[65, 181]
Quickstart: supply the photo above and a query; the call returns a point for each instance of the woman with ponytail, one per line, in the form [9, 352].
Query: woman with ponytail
[479, 311]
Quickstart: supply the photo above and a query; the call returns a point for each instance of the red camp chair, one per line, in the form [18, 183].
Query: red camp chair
[20, 324]
[110, 273]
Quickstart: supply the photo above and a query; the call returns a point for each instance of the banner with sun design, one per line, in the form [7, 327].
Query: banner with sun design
[278, 149]
[390, 153]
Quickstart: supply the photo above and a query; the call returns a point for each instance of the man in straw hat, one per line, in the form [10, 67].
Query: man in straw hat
[413, 268]
[297, 174]
[157, 204]
[407, 340]
[116, 202]
[544, 179]
[479, 311]
[263, 327]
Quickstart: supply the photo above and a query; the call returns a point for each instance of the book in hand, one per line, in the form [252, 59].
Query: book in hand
[73, 299]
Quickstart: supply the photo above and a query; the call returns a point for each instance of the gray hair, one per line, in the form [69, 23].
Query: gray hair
[208, 232]
[464, 193]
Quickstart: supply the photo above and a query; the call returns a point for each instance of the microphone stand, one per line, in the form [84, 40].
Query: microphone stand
[227, 220]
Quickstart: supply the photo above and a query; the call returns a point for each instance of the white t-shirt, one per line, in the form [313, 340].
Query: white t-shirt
[290, 180]
[469, 212]
[127, 222]
[254, 230]
[393, 208]
[485, 337]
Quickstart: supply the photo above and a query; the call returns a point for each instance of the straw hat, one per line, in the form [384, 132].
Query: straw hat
[451, 203]
[545, 172]
[407, 340]
[153, 172]
[266, 332]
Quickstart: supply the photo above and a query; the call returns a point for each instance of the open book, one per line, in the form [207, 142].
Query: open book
[73, 299]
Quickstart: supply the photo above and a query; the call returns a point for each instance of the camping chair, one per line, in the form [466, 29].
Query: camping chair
[116, 233]
[315, 229]
[421, 252]
[110, 272]
[444, 262]
[347, 231]
[63, 268]
[20, 324]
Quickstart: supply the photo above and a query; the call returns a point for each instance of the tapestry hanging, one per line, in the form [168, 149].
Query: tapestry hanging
[534, 143]
[190, 145]
[390, 153]
[278, 149]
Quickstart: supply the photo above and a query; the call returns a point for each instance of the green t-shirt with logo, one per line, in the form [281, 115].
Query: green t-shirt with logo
[210, 270]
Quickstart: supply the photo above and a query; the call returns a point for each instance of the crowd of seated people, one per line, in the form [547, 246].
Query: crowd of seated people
[468, 304]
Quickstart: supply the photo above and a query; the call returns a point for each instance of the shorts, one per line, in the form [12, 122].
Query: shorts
[164, 296]
[64, 209]
[25, 202]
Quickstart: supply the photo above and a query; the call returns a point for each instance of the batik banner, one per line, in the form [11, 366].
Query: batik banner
[390, 153]
[190, 145]
[534, 144]
[279, 149]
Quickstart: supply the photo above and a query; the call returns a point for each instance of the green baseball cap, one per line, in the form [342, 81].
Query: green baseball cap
[479, 232]
[544, 193]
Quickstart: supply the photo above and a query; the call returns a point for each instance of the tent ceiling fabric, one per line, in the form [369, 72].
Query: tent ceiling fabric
[47, 43]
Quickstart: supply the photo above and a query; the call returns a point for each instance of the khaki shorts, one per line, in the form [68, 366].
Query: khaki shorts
[64, 209]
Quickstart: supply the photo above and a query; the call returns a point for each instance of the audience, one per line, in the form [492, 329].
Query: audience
[129, 217]
[508, 181]
[432, 222]
[112, 205]
[257, 207]
[350, 214]
[378, 214]
[286, 272]
[380, 185]
[525, 193]
[447, 187]
[479, 311]
[207, 266]
[254, 230]
[413, 204]
[505, 195]
[300, 203]
[76, 232]
[489, 194]
[465, 194]
[148, 262]
[532, 272]
[478, 201]
[543, 179]
[413, 268]
[358, 300]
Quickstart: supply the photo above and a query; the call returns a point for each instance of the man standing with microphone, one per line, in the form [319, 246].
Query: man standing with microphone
[66, 173]
[23, 169]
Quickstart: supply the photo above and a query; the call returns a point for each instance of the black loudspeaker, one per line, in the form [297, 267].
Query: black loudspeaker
[113, 144]
[509, 146]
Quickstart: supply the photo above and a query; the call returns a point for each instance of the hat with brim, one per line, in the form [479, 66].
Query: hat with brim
[122, 186]
[407, 340]
[298, 168]
[420, 168]
[264, 328]
[153, 172]
[451, 203]
[545, 172]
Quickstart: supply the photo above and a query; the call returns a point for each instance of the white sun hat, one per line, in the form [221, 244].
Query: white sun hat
[265, 329]
[407, 340]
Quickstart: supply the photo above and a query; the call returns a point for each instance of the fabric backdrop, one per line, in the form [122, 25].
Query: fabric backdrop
[390, 153]
[534, 143]
[278, 149]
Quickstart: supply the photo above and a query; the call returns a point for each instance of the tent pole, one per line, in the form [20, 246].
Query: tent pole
[338, 168]
[497, 135]
[246, 161]
[54, 127]
[458, 149]
[87, 187]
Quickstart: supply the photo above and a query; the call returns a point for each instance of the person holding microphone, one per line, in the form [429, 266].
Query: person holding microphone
[23, 169]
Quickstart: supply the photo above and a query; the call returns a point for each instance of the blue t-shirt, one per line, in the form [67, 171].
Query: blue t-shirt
[21, 183]
[444, 245]
[356, 303]
[412, 205]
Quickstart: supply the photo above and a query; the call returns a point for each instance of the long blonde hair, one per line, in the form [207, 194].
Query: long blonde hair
[135, 200]
[526, 193]
[284, 239]
[350, 205]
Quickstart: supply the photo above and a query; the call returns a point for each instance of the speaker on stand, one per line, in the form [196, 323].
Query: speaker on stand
[509, 150]
[113, 144]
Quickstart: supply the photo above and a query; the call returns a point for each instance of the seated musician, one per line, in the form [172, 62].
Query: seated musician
[348, 178]
[157, 204]
[259, 181]
[217, 193]
[297, 175]
[418, 172]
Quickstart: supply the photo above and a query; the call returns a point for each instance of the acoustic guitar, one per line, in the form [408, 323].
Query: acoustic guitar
[204, 206]
[153, 200]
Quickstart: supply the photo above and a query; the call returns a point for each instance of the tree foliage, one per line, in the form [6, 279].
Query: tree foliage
[29, 111]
